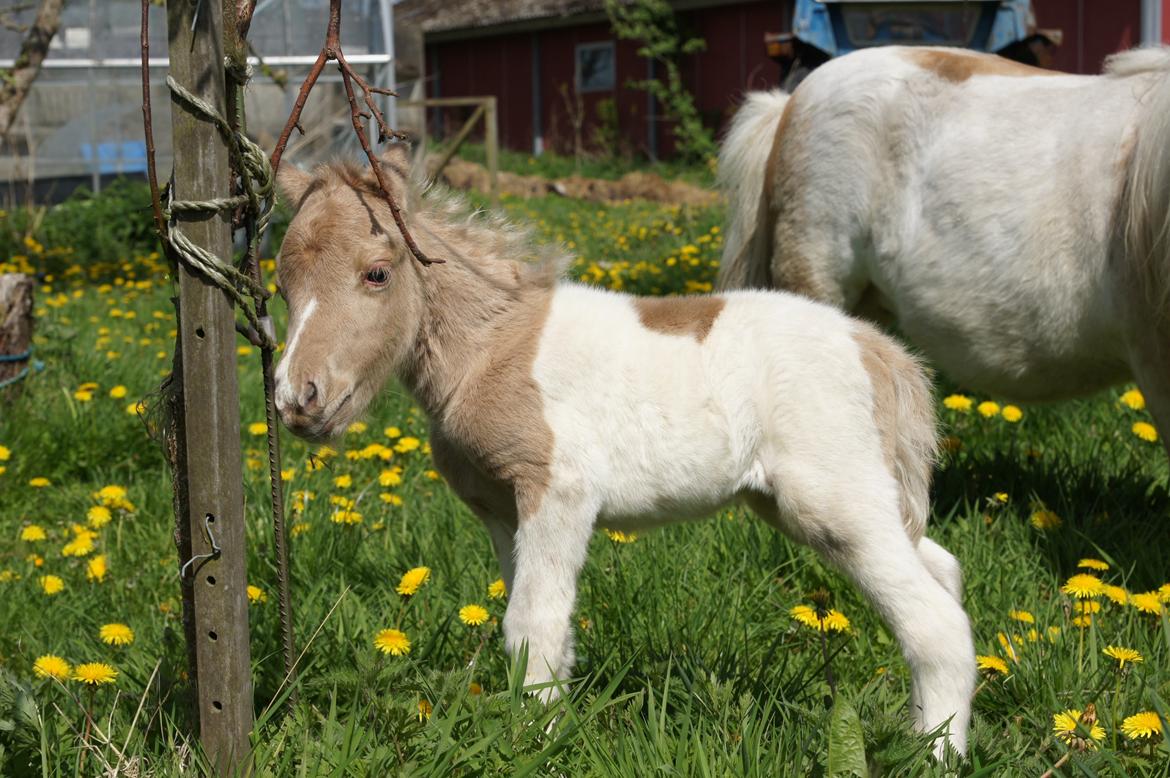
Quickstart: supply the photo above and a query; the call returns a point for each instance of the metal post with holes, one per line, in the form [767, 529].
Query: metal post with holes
[206, 446]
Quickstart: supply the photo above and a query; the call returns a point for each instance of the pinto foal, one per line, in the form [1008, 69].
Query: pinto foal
[557, 408]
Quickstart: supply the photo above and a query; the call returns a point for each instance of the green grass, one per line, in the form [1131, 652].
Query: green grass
[689, 663]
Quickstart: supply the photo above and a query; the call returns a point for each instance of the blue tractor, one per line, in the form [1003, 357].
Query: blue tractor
[823, 29]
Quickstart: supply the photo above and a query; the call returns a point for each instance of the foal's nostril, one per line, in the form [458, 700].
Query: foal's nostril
[310, 400]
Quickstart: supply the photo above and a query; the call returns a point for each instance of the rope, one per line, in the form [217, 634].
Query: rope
[257, 181]
[23, 357]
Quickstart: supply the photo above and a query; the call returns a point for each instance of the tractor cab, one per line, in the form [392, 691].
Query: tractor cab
[823, 29]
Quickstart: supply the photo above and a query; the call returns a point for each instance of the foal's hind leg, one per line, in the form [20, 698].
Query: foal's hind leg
[856, 524]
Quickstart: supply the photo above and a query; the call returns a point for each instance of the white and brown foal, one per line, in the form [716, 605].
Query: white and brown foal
[557, 408]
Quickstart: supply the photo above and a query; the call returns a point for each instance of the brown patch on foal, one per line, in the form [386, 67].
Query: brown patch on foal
[692, 316]
[496, 416]
[957, 66]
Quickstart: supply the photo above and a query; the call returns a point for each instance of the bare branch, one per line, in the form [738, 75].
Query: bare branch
[16, 83]
[332, 51]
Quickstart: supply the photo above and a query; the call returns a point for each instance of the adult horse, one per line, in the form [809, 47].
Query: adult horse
[1013, 222]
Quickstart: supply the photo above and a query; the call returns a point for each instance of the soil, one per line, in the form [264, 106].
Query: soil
[461, 174]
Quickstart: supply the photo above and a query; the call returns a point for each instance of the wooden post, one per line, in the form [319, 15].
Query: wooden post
[210, 499]
[491, 141]
[16, 327]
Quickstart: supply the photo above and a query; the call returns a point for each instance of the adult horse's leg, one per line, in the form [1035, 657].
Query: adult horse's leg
[551, 544]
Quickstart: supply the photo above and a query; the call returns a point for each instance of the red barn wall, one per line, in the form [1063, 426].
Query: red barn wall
[1092, 30]
[734, 61]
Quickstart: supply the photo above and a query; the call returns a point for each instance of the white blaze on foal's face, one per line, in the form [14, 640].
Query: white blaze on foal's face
[353, 299]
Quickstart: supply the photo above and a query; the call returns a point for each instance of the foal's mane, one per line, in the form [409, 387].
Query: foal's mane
[485, 242]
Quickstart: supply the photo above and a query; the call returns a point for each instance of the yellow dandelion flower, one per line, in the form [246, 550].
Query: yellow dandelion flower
[258, 428]
[473, 615]
[987, 409]
[1082, 621]
[52, 584]
[405, 445]
[82, 545]
[1045, 520]
[412, 579]
[343, 481]
[1074, 728]
[1164, 592]
[425, 709]
[33, 533]
[116, 634]
[497, 589]
[617, 536]
[346, 516]
[111, 495]
[95, 673]
[1134, 400]
[1144, 725]
[99, 516]
[52, 666]
[1053, 634]
[1093, 564]
[1083, 586]
[831, 621]
[136, 409]
[958, 402]
[474, 689]
[299, 528]
[118, 392]
[83, 395]
[391, 477]
[392, 641]
[40, 482]
[5, 453]
[1117, 594]
[390, 498]
[1122, 655]
[1023, 616]
[256, 595]
[392, 432]
[95, 568]
[1088, 607]
[431, 475]
[1145, 431]
[1001, 497]
[1011, 414]
[1146, 602]
[357, 428]
[992, 664]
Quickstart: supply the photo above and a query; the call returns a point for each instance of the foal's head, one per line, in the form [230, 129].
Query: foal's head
[354, 296]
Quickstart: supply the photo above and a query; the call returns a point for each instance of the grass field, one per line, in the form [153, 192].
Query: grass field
[690, 659]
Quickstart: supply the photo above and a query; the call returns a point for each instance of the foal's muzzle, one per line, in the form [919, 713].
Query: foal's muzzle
[309, 409]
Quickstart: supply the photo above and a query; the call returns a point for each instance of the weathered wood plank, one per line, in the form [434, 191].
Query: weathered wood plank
[208, 451]
[16, 328]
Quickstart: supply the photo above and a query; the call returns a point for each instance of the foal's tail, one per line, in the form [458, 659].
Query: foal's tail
[903, 407]
[1147, 192]
[743, 162]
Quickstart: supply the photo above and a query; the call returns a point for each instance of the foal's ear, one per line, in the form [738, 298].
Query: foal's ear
[293, 183]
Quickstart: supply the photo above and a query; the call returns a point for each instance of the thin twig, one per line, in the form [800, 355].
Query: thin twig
[332, 51]
[1059, 764]
[148, 124]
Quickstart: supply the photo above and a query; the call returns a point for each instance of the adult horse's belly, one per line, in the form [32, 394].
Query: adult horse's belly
[993, 254]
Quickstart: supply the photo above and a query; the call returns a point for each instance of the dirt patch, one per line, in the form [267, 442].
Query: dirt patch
[461, 174]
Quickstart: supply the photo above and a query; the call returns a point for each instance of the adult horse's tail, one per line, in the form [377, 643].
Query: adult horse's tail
[1147, 189]
[743, 163]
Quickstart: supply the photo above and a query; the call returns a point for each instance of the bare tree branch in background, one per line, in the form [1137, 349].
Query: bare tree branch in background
[15, 83]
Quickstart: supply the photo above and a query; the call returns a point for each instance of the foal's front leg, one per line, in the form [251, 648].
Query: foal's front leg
[551, 542]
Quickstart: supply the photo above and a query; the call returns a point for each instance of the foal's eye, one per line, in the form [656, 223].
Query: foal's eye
[378, 275]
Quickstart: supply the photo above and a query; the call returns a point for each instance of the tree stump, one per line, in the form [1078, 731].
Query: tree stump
[16, 328]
